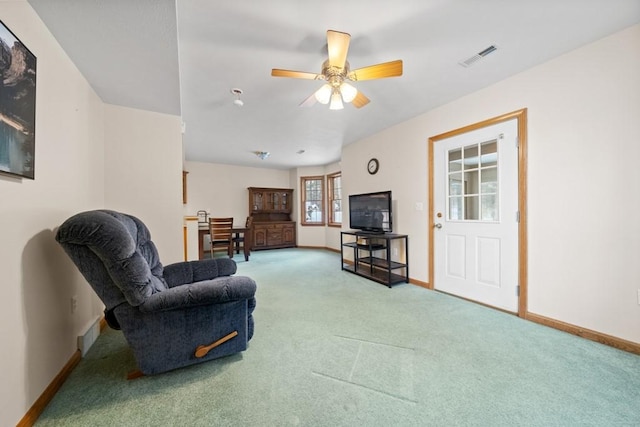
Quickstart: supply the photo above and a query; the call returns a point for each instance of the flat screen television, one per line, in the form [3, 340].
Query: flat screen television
[371, 212]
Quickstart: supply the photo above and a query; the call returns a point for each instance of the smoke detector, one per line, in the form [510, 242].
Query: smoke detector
[237, 92]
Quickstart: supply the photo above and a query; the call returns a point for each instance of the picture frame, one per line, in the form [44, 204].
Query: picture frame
[17, 106]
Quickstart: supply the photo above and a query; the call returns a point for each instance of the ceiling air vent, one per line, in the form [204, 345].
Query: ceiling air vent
[475, 58]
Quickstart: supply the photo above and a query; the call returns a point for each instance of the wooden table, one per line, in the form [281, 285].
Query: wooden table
[203, 230]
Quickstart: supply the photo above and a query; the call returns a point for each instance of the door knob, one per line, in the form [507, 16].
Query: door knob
[437, 225]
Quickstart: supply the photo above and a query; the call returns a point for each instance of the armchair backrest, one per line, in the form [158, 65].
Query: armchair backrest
[114, 252]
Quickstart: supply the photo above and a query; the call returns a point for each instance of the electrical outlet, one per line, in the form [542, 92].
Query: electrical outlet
[395, 251]
[74, 304]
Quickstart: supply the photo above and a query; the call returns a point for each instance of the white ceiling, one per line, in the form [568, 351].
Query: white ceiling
[183, 57]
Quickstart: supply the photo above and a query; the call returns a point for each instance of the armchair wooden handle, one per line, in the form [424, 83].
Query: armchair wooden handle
[203, 350]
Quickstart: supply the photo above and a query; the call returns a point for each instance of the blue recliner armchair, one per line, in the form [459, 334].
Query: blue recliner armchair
[173, 316]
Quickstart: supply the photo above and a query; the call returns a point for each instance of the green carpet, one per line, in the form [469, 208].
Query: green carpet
[334, 349]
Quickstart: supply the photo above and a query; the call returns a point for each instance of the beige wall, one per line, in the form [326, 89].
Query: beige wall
[37, 327]
[143, 173]
[88, 156]
[314, 236]
[307, 235]
[583, 110]
[332, 234]
[222, 189]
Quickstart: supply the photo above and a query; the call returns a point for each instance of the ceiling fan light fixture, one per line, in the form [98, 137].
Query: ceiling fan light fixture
[336, 101]
[323, 95]
[336, 69]
[348, 92]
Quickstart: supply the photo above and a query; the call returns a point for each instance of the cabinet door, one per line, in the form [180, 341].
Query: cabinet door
[274, 235]
[285, 201]
[257, 201]
[289, 234]
[259, 237]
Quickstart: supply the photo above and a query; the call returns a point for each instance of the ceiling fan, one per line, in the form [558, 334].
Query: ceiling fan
[336, 72]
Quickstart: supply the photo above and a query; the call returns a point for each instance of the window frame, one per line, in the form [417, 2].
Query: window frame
[303, 200]
[331, 222]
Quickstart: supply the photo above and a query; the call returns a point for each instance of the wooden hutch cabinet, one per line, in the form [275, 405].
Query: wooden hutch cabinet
[271, 211]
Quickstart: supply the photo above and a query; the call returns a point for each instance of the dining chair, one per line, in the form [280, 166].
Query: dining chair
[220, 232]
[240, 240]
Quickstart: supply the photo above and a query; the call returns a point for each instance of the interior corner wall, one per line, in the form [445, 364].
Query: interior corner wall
[143, 173]
[583, 127]
[307, 235]
[313, 236]
[332, 234]
[37, 326]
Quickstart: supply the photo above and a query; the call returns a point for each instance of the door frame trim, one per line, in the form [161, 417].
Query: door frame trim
[521, 116]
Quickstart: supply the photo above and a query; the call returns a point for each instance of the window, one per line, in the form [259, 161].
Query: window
[312, 211]
[473, 182]
[334, 196]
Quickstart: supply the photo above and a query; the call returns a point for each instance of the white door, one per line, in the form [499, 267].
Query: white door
[476, 215]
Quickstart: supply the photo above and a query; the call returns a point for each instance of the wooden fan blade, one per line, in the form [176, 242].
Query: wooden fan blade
[378, 71]
[294, 74]
[310, 101]
[360, 100]
[338, 46]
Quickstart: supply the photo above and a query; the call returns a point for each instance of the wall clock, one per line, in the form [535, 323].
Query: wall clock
[373, 166]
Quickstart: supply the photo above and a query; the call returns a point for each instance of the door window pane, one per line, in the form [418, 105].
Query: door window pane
[489, 207]
[455, 208]
[455, 184]
[472, 207]
[489, 152]
[471, 157]
[455, 160]
[489, 181]
[473, 182]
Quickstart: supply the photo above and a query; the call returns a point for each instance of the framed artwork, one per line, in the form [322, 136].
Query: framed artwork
[17, 106]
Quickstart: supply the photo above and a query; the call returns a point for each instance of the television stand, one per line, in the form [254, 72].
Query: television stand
[369, 232]
[377, 256]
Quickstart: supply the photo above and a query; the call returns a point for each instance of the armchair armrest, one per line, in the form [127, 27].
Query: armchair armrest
[182, 273]
[217, 291]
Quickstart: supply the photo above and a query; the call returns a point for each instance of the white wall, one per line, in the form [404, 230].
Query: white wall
[222, 189]
[88, 156]
[143, 168]
[37, 327]
[332, 234]
[307, 235]
[584, 238]
[313, 235]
